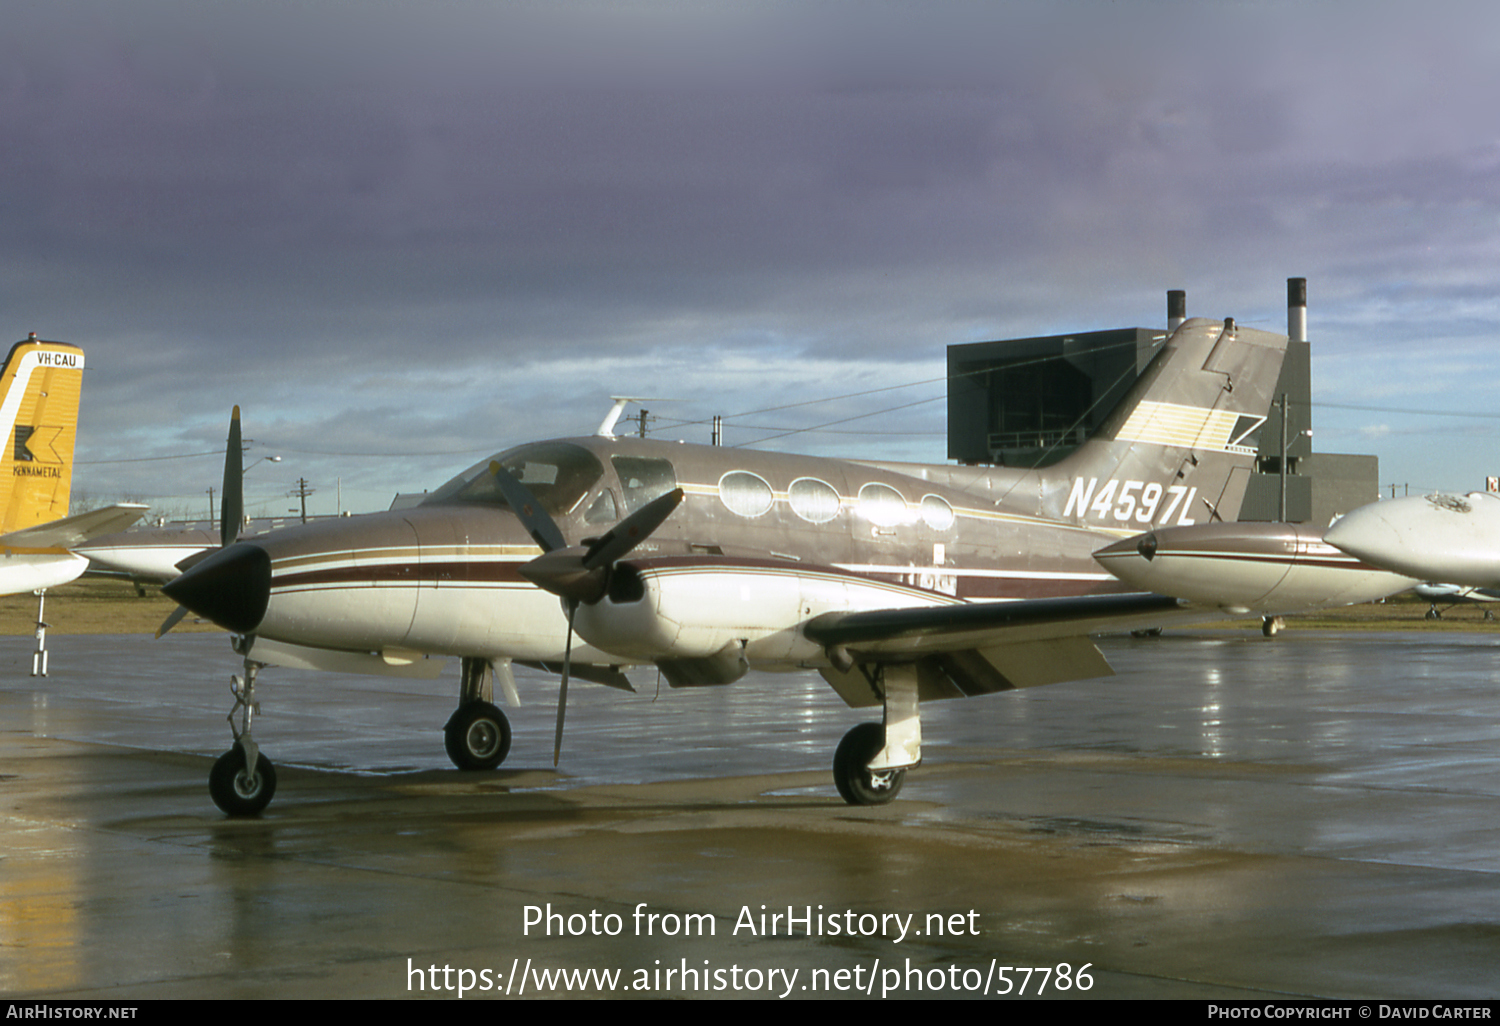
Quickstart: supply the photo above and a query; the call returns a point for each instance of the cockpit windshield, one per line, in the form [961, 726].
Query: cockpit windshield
[557, 473]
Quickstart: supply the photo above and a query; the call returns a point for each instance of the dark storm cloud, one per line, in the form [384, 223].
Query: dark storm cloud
[395, 227]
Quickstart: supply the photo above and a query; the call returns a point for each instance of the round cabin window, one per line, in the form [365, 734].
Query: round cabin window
[745, 494]
[882, 505]
[814, 501]
[937, 513]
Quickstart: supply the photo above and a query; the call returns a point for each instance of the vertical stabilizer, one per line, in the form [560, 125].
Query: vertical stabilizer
[39, 388]
[1180, 448]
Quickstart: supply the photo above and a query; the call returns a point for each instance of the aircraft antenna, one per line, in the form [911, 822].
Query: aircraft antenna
[607, 427]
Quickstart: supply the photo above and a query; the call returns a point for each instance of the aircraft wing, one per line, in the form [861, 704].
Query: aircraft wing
[704, 619]
[982, 647]
[925, 629]
[75, 530]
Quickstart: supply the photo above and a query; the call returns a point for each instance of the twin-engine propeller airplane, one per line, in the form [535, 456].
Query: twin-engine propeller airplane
[899, 583]
[40, 384]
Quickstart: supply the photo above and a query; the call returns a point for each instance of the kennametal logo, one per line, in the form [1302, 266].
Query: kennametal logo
[38, 459]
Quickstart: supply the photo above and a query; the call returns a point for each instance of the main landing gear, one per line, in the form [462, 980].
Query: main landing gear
[857, 783]
[477, 735]
[871, 761]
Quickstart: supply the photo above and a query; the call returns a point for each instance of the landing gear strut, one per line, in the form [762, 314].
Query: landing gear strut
[39, 657]
[243, 781]
[871, 761]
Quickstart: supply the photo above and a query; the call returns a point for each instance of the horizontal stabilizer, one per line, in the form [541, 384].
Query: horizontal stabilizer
[75, 530]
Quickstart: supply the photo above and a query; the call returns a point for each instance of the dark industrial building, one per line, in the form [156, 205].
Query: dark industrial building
[1030, 401]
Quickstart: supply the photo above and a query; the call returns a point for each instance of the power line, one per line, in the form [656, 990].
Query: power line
[1409, 412]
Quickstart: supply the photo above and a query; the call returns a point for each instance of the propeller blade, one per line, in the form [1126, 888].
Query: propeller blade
[233, 512]
[172, 620]
[574, 573]
[538, 523]
[631, 531]
[577, 574]
[562, 693]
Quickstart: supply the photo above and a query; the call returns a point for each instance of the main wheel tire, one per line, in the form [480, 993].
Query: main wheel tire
[236, 792]
[477, 736]
[851, 772]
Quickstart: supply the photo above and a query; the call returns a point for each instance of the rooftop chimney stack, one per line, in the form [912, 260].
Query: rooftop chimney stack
[1296, 309]
[1176, 309]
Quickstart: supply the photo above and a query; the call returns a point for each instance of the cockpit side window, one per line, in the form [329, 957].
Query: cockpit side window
[643, 478]
[558, 474]
[602, 510]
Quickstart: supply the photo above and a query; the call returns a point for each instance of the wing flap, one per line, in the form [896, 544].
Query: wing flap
[983, 647]
[969, 672]
[891, 635]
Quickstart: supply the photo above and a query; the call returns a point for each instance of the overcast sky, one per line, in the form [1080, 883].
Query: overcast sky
[404, 235]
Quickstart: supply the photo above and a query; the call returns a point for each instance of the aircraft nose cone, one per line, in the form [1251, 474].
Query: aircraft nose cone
[232, 587]
[1367, 534]
[1445, 538]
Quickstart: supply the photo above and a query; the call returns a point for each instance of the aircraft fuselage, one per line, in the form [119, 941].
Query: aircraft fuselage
[762, 540]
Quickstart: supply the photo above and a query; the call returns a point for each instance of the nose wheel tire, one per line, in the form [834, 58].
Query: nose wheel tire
[477, 736]
[851, 773]
[237, 792]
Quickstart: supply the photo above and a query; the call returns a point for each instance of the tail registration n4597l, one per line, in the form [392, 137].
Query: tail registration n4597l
[1131, 502]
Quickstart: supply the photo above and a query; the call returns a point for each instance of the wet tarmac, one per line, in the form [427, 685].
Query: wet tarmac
[1230, 817]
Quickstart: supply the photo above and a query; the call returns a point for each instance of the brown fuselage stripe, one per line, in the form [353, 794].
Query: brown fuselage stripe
[437, 574]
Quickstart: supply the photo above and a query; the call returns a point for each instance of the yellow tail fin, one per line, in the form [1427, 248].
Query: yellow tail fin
[39, 387]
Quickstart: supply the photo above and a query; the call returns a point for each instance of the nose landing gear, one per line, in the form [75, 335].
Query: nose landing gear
[243, 781]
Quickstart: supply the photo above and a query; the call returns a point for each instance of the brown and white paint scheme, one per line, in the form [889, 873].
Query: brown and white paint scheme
[898, 582]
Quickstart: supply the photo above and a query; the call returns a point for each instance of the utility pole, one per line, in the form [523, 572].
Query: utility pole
[1282, 403]
[718, 431]
[302, 491]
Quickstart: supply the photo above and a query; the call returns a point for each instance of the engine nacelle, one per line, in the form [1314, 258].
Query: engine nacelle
[713, 611]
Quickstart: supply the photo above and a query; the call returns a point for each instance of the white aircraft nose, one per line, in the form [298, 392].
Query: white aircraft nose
[1454, 539]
